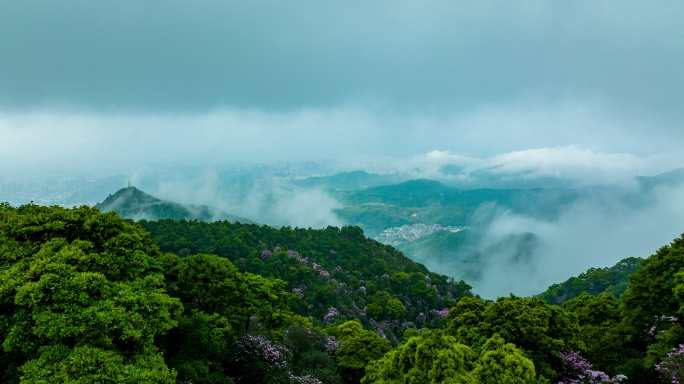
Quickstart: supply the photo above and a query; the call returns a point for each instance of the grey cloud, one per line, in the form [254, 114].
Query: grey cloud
[433, 55]
[54, 140]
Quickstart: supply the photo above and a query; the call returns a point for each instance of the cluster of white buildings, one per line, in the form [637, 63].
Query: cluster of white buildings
[411, 232]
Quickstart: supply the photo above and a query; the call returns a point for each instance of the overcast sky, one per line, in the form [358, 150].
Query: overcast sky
[136, 81]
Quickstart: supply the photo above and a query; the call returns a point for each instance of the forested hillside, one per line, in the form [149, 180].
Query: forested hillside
[332, 271]
[87, 297]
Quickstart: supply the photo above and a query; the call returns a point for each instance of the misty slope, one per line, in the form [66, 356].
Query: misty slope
[133, 203]
[612, 280]
[429, 201]
[464, 255]
[671, 178]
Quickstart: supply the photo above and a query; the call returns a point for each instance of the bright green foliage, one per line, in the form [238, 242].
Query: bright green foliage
[212, 284]
[358, 347]
[81, 365]
[541, 330]
[465, 319]
[79, 289]
[431, 358]
[436, 358]
[502, 363]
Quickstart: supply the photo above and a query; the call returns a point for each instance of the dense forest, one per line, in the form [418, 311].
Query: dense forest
[87, 297]
[331, 271]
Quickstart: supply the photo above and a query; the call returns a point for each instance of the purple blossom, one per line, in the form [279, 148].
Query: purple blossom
[266, 254]
[444, 312]
[580, 371]
[332, 313]
[671, 367]
[261, 348]
[321, 271]
[252, 347]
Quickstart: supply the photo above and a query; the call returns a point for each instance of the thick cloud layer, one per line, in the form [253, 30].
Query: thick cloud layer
[268, 54]
[208, 80]
[567, 137]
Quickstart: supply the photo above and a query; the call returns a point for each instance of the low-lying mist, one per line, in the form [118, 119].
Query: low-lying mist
[265, 200]
[596, 231]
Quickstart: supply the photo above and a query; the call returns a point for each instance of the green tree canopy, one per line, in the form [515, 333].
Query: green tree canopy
[540, 329]
[358, 347]
[78, 290]
[438, 358]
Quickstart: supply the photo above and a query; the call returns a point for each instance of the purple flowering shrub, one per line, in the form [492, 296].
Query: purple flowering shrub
[671, 368]
[266, 254]
[261, 349]
[580, 371]
[261, 358]
[331, 314]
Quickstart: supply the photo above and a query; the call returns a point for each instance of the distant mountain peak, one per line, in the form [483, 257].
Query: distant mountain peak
[127, 196]
[133, 203]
